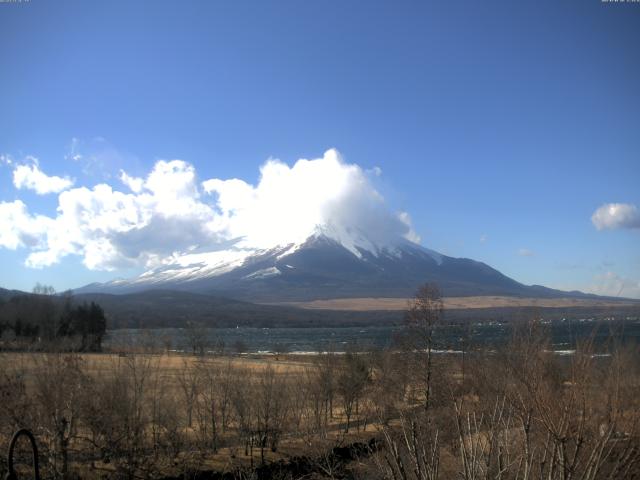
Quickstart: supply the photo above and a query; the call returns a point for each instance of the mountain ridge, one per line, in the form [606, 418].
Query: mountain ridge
[331, 263]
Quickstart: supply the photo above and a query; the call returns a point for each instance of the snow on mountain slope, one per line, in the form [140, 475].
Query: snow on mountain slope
[332, 262]
[192, 267]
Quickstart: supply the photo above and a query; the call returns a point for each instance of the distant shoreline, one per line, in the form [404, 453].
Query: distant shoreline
[398, 304]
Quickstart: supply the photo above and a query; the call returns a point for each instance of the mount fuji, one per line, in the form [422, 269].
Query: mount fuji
[331, 262]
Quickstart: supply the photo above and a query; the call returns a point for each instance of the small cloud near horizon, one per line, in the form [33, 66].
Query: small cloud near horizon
[525, 252]
[615, 216]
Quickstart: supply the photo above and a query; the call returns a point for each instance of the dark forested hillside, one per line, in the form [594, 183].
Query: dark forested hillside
[27, 318]
[166, 308]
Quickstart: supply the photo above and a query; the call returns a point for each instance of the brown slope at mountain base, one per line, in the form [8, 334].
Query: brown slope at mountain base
[393, 304]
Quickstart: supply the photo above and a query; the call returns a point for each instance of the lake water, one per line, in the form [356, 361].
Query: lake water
[309, 340]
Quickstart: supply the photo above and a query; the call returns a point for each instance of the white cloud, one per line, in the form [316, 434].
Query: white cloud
[112, 229]
[525, 252]
[98, 158]
[410, 234]
[613, 285]
[375, 171]
[32, 178]
[288, 202]
[5, 160]
[73, 154]
[135, 184]
[165, 214]
[483, 238]
[19, 228]
[616, 215]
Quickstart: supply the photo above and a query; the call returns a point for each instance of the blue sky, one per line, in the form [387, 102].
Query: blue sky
[500, 127]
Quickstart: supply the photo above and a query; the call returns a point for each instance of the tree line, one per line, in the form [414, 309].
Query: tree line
[52, 321]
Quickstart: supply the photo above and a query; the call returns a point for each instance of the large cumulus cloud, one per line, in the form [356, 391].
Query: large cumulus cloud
[169, 213]
[289, 202]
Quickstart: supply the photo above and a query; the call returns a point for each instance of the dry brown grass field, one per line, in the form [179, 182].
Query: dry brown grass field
[168, 379]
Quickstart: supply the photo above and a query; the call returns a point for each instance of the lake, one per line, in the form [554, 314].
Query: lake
[310, 340]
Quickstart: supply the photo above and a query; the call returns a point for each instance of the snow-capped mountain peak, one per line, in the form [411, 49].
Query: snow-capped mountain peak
[331, 262]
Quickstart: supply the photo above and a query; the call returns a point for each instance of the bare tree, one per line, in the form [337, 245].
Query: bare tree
[389, 384]
[423, 316]
[242, 401]
[118, 413]
[410, 452]
[196, 336]
[40, 289]
[213, 401]
[327, 368]
[312, 416]
[271, 409]
[45, 311]
[351, 384]
[16, 405]
[187, 377]
[552, 418]
[59, 382]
